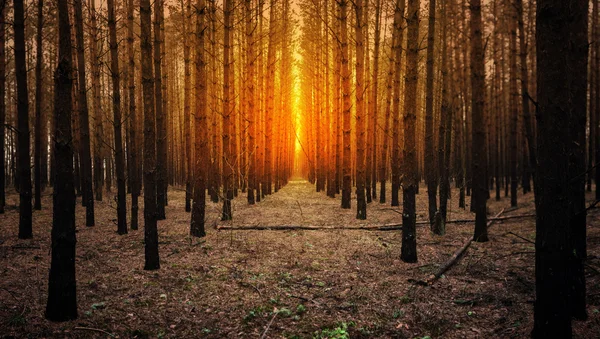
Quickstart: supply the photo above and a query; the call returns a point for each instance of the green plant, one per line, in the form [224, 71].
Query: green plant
[398, 313]
[253, 313]
[300, 309]
[339, 332]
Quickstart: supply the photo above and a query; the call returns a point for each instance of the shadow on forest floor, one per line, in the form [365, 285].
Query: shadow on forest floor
[232, 283]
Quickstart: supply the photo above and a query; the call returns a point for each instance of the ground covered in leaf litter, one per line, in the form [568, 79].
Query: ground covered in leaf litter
[284, 284]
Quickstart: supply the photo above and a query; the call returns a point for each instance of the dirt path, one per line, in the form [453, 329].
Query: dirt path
[228, 284]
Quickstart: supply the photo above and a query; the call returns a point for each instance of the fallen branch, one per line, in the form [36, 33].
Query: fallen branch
[268, 325]
[26, 247]
[454, 259]
[386, 227]
[522, 238]
[94, 330]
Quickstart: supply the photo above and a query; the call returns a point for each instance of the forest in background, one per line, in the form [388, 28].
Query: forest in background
[118, 101]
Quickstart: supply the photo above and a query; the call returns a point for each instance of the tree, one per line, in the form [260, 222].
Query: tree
[116, 99]
[133, 125]
[62, 290]
[361, 203]
[514, 111]
[561, 38]
[150, 228]
[97, 104]
[161, 122]
[187, 80]
[478, 162]
[346, 105]
[37, 160]
[84, 121]
[430, 170]
[409, 217]
[197, 222]
[24, 169]
[228, 156]
[2, 103]
[251, 113]
[396, 139]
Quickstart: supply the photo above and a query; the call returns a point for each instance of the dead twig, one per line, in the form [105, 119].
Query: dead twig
[522, 238]
[269, 325]
[454, 259]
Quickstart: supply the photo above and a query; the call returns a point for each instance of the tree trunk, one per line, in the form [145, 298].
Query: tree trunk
[396, 138]
[38, 109]
[116, 99]
[346, 106]
[513, 106]
[228, 165]
[361, 203]
[430, 170]
[150, 228]
[201, 126]
[561, 38]
[2, 105]
[187, 79]
[161, 119]
[409, 217]
[478, 158]
[62, 290]
[84, 121]
[23, 167]
[133, 124]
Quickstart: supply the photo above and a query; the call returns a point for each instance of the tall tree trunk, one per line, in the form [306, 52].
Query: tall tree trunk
[23, 168]
[430, 170]
[150, 228]
[513, 106]
[84, 121]
[117, 120]
[445, 135]
[561, 38]
[361, 203]
[201, 126]
[133, 124]
[478, 158]
[228, 165]
[187, 79]
[62, 290]
[37, 160]
[2, 104]
[161, 119]
[409, 217]
[374, 108]
[396, 138]
[346, 106]
[251, 113]
[97, 103]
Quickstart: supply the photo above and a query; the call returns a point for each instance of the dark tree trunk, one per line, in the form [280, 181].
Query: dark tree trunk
[409, 217]
[478, 160]
[430, 169]
[513, 107]
[37, 160]
[228, 175]
[117, 122]
[133, 124]
[84, 122]
[62, 290]
[150, 228]
[561, 38]
[201, 125]
[161, 118]
[187, 26]
[23, 167]
[2, 104]
[396, 139]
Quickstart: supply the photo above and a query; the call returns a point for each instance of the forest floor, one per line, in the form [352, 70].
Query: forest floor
[289, 284]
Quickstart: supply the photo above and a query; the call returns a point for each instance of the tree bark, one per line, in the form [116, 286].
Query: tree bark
[2, 104]
[23, 167]
[346, 106]
[361, 203]
[409, 217]
[478, 158]
[161, 119]
[39, 59]
[150, 228]
[133, 124]
[430, 169]
[62, 289]
[201, 126]
[116, 100]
